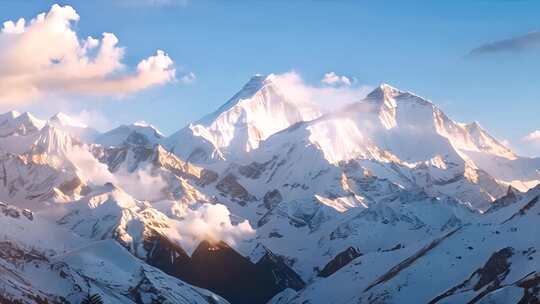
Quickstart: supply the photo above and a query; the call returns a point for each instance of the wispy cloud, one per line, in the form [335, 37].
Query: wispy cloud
[326, 97]
[533, 136]
[334, 79]
[45, 56]
[514, 44]
[531, 143]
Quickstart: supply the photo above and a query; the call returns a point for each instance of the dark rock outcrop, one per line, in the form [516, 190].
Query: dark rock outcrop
[219, 268]
[341, 260]
[229, 186]
[272, 198]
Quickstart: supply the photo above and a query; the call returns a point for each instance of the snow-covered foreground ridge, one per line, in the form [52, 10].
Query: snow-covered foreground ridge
[269, 200]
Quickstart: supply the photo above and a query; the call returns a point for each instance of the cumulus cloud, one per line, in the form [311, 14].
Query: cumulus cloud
[335, 80]
[530, 144]
[533, 136]
[211, 222]
[88, 167]
[141, 184]
[46, 56]
[326, 97]
[514, 44]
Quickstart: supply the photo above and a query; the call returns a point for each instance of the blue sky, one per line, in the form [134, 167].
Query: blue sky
[420, 46]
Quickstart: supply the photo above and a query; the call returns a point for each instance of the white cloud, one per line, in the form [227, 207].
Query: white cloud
[533, 137]
[335, 80]
[326, 97]
[530, 144]
[89, 168]
[46, 56]
[141, 184]
[94, 119]
[211, 222]
[188, 78]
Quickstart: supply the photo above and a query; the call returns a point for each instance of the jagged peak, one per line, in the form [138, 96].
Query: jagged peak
[384, 92]
[388, 94]
[66, 120]
[145, 125]
[256, 83]
[27, 118]
[136, 126]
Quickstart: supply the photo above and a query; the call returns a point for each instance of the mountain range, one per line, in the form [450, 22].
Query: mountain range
[269, 200]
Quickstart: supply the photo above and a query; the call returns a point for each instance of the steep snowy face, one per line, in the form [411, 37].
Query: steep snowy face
[394, 135]
[406, 113]
[73, 127]
[389, 124]
[137, 134]
[260, 109]
[14, 123]
[487, 143]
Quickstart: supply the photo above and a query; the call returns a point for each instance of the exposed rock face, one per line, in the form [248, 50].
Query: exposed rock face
[166, 255]
[272, 198]
[409, 261]
[531, 289]
[486, 279]
[339, 261]
[15, 212]
[510, 198]
[219, 268]
[497, 265]
[524, 209]
[229, 186]
[284, 276]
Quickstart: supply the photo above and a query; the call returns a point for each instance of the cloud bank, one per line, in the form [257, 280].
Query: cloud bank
[211, 222]
[326, 97]
[46, 56]
[514, 44]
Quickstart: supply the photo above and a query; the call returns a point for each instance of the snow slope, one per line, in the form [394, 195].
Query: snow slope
[260, 109]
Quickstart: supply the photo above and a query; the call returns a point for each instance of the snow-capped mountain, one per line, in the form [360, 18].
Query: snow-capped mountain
[139, 133]
[268, 200]
[260, 109]
[43, 263]
[73, 127]
[494, 260]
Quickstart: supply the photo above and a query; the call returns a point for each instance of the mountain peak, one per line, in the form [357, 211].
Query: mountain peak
[141, 124]
[255, 84]
[138, 133]
[261, 108]
[384, 92]
[30, 120]
[63, 119]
